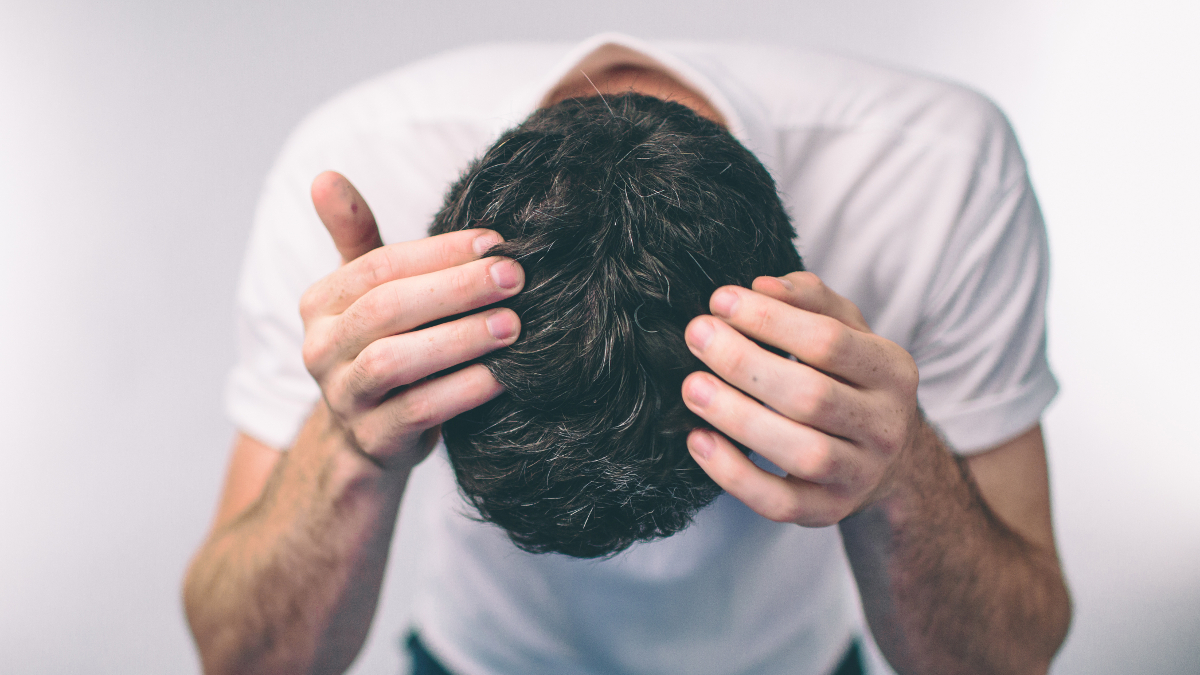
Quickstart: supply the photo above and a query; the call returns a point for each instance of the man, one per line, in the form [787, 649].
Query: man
[911, 199]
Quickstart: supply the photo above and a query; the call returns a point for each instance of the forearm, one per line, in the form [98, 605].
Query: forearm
[947, 587]
[291, 584]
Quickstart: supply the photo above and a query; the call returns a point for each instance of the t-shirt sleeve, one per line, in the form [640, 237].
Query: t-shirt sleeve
[269, 392]
[980, 343]
[393, 139]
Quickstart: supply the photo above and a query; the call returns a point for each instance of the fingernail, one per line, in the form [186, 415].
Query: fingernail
[700, 391]
[786, 284]
[502, 325]
[724, 302]
[700, 334]
[484, 242]
[505, 274]
[703, 444]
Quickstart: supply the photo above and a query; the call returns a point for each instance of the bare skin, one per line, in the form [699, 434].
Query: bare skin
[289, 577]
[956, 560]
[623, 79]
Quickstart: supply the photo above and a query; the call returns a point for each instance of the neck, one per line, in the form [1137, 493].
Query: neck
[636, 79]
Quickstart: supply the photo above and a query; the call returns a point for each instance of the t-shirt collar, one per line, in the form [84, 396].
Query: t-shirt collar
[614, 49]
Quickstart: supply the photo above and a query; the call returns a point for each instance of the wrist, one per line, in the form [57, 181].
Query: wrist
[924, 471]
[345, 466]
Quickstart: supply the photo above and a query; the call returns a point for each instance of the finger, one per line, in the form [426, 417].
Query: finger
[334, 293]
[805, 290]
[784, 499]
[794, 390]
[796, 448]
[400, 420]
[401, 305]
[821, 341]
[401, 360]
[346, 215]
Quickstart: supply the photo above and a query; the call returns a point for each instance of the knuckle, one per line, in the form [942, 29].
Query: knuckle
[812, 399]
[336, 397]
[371, 310]
[374, 304]
[856, 316]
[889, 445]
[343, 333]
[446, 246]
[374, 364]
[823, 519]
[310, 303]
[843, 512]
[733, 361]
[786, 509]
[315, 354]
[818, 464]
[847, 504]
[910, 375]
[821, 513]
[760, 318]
[826, 339]
[451, 343]
[463, 335]
[807, 282]
[418, 412]
[736, 479]
[451, 248]
[888, 439]
[366, 438]
[381, 266]
[463, 283]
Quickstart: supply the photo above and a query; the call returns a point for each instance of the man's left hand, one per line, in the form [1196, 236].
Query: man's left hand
[839, 420]
[957, 575]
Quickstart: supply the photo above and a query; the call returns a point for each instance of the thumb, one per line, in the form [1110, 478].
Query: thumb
[346, 215]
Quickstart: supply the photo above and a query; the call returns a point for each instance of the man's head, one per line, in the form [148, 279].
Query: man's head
[626, 213]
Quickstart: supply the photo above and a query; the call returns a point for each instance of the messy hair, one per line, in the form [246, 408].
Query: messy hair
[626, 213]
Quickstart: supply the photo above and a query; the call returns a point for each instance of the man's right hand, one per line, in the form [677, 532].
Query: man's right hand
[290, 574]
[371, 341]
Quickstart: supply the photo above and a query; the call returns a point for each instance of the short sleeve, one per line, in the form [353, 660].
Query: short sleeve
[269, 392]
[394, 139]
[919, 209]
[980, 344]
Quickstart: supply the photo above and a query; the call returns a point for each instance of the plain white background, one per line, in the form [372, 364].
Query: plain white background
[133, 140]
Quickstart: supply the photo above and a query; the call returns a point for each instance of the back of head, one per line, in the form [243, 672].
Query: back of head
[626, 213]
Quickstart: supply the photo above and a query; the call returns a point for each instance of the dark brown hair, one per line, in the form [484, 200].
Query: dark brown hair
[626, 213]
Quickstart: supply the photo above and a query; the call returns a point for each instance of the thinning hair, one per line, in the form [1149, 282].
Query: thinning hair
[626, 213]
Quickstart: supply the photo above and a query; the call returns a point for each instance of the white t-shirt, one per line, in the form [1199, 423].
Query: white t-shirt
[910, 197]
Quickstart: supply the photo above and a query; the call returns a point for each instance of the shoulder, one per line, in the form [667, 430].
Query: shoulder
[888, 175]
[467, 86]
[803, 91]
[403, 136]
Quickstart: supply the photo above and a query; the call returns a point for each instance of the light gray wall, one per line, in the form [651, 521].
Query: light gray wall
[133, 140]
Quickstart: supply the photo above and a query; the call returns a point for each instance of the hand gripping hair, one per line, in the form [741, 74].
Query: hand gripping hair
[626, 214]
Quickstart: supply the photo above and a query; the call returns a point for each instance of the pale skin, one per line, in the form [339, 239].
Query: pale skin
[956, 560]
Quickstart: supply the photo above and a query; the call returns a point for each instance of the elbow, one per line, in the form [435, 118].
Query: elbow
[1057, 615]
[215, 636]
[1061, 614]
[195, 609]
